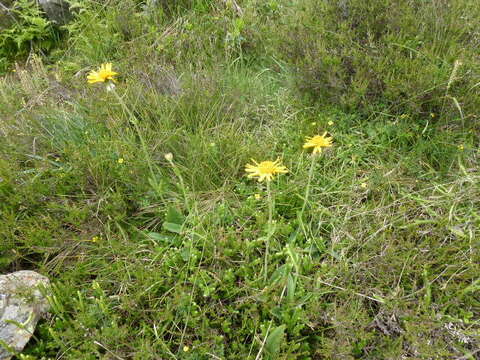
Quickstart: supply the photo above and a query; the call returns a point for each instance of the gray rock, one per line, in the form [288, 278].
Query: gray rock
[58, 11]
[6, 15]
[21, 306]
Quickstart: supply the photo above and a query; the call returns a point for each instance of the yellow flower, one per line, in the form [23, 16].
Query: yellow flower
[186, 348]
[461, 147]
[258, 196]
[317, 142]
[330, 123]
[120, 161]
[266, 170]
[103, 74]
[95, 239]
[364, 185]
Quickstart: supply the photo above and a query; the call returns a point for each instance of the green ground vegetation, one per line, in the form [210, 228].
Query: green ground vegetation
[152, 259]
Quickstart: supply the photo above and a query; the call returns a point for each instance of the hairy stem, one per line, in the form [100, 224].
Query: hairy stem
[307, 189]
[269, 228]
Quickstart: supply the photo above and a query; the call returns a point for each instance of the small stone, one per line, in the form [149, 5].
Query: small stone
[58, 11]
[21, 303]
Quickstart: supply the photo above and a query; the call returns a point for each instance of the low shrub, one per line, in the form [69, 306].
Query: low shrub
[393, 56]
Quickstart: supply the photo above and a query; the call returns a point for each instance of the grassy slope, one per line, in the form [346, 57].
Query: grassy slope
[386, 263]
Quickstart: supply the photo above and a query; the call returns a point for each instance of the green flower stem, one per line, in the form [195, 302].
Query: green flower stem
[134, 121]
[270, 229]
[182, 183]
[307, 190]
[271, 204]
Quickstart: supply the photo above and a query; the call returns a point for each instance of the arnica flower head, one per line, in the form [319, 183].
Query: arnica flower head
[318, 142]
[103, 74]
[266, 170]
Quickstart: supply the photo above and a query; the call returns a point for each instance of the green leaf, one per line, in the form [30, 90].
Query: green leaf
[274, 341]
[172, 227]
[160, 238]
[291, 284]
[174, 216]
[173, 220]
[278, 274]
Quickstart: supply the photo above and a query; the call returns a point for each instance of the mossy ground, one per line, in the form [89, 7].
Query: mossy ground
[384, 262]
